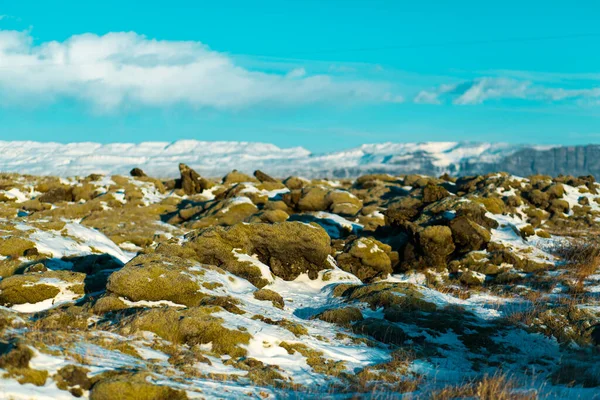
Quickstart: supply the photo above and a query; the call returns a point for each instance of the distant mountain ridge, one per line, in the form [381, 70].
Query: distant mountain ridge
[161, 159]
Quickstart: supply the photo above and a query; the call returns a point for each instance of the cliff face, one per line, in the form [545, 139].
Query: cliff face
[567, 160]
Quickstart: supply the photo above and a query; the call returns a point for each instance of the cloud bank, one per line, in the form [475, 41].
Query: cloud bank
[480, 90]
[119, 69]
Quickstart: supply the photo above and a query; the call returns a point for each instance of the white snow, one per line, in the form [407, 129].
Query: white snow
[217, 158]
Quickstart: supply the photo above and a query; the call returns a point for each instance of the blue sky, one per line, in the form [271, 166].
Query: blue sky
[320, 74]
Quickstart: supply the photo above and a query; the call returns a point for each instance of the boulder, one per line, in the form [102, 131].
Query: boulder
[472, 278]
[433, 193]
[156, 277]
[468, 235]
[313, 198]
[366, 258]
[343, 202]
[36, 288]
[404, 210]
[137, 173]
[288, 249]
[435, 245]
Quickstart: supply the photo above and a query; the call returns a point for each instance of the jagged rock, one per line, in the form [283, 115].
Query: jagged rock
[138, 173]
[366, 258]
[191, 181]
[468, 235]
[262, 177]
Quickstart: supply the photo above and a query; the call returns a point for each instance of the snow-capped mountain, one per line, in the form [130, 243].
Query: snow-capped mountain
[161, 159]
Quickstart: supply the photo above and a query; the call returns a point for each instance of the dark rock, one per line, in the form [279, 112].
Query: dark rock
[137, 172]
[191, 181]
[261, 176]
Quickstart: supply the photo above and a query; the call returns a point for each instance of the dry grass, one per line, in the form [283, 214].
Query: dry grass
[496, 387]
[582, 257]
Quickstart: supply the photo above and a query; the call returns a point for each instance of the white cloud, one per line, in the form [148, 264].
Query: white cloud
[425, 97]
[480, 90]
[120, 69]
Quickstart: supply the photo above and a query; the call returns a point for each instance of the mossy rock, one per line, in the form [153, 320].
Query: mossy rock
[133, 387]
[270, 295]
[403, 210]
[314, 198]
[288, 248]
[341, 316]
[236, 176]
[344, 203]
[436, 245]
[527, 231]
[433, 193]
[468, 236]
[156, 277]
[191, 326]
[14, 354]
[294, 182]
[476, 213]
[366, 258]
[555, 191]
[537, 198]
[559, 206]
[472, 278]
[225, 213]
[15, 246]
[494, 205]
[109, 303]
[401, 296]
[27, 376]
[23, 289]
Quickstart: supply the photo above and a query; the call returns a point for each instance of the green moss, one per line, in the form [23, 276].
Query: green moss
[494, 205]
[15, 246]
[156, 277]
[227, 302]
[297, 329]
[270, 295]
[27, 375]
[192, 326]
[133, 387]
[24, 289]
[315, 359]
[341, 316]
